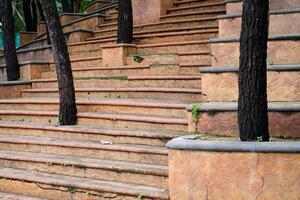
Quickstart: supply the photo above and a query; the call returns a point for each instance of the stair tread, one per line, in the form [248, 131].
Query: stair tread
[11, 196]
[99, 115]
[96, 163]
[174, 43]
[49, 141]
[197, 6]
[77, 129]
[84, 183]
[193, 13]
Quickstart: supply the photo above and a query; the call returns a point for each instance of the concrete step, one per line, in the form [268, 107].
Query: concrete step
[195, 57]
[125, 81]
[12, 196]
[105, 119]
[82, 62]
[93, 149]
[183, 94]
[99, 169]
[90, 133]
[185, 3]
[282, 50]
[151, 38]
[54, 186]
[117, 105]
[220, 84]
[193, 14]
[201, 6]
[155, 69]
[284, 119]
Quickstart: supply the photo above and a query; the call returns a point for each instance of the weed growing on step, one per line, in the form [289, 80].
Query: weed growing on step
[270, 62]
[195, 112]
[138, 58]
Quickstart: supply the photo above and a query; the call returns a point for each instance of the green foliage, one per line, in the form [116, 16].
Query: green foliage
[195, 112]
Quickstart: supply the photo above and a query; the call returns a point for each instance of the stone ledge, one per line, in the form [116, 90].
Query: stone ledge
[233, 146]
[236, 69]
[271, 38]
[12, 83]
[232, 106]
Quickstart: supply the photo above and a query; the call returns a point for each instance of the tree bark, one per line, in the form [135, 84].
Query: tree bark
[27, 15]
[253, 105]
[125, 22]
[40, 8]
[34, 16]
[11, 59]
[67, 105]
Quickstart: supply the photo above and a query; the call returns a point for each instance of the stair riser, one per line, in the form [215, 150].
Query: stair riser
[186, 97]
[82, 64]
[164, 111]
[132, 72]
[192, 16]
[52, 192]
[281, 124]
[110, 20]
[81, 136]
[95, 122]
[85, 53]
[189, 37]
[36, 44]
[282, 86]
[95, 153]
[279, 52]
[195, 9]
[43, 54]
[287, 23]
[92, 173]
[175, 49]
[90, 47]
[153, 59]
[125, 83]
[195, 3]
[195, 59]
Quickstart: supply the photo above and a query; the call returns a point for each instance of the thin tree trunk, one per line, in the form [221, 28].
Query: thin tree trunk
[34, 16]
[253, 105]
[27, 15]
[11, 59]
[66, 6]
[125, 22]
[67, 105]
[40, 8]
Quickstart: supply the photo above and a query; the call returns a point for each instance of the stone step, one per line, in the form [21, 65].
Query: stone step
[93, 149]
[113, 31]
[283, 83]
[177, 23]
[201, 6]
[284, 119]
[195, 57]
[12, 196]
[54, 186]
[153, 59]
[82, 62]
[192, 15]
[90, 133]
[121, 120]
[125, 81]
[99, 169]
[175, 47]
[282, 50]
[282, 21]
[193, 2]
[117, 105]
[155, 69]
[163, 37]
[182, 94]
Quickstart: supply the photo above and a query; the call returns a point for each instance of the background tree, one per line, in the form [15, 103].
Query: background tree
[29, 25]
[67, 105]
[253, 105]
[125, 22]
[11, 59]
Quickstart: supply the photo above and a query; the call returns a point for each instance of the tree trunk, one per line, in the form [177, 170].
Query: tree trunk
[40, 8]
[253, 105]
[11, 59]
[34, 16]
[125, 22]
[27, 15]
[67, 105]
[66, 6]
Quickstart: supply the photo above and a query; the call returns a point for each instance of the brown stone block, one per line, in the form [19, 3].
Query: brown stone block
[33, 70]
[223, 87]
[27, 37]
[279, 52]
[116, 55]
[79, 36]
[13, 91]
[281, 124]
[233, 175]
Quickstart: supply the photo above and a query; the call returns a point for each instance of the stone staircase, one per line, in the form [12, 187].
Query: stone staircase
[126, 114]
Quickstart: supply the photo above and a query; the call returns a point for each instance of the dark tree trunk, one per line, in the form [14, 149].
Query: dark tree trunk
[28, 15]
[40, 8]
[66, 6]
[125, 22]
[67, 105]
[34, 16]
[253, 105]
[11, 59]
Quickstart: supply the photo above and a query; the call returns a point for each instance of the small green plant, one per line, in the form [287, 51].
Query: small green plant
[195, 112]
[141, 196]
[138, 58]
[259, 139]
[270, 62]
